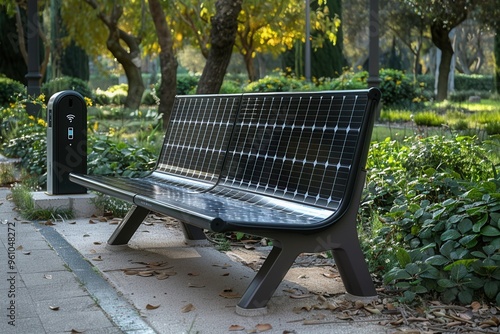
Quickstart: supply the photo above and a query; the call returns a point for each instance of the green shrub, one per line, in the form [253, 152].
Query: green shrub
[433, 228]
[230, 87]
[107, 156]
[66, 83]
[492, 128]
[151, 95]
[474, 82]
[347, 81]
[24, 137]
[186, 84]
[275, 84]
[428, 118]
[10, 90]
[398, 90]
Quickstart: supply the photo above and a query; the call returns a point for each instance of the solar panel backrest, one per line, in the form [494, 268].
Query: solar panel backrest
[197, 136]
[297, 146]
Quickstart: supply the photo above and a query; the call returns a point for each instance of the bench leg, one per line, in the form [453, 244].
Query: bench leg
[192, 232]
[128, 226]
[353, 269]
[266, 281]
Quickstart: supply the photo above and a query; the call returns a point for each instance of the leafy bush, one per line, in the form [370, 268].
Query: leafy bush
[66, 83]
[116, 157]
[428, 118]
[230, 87]
[398, 90]
[186, 84]
[24, 137]
[436, 230]
[275, 84]
[348, 80]
[10, 90]
[474, 82]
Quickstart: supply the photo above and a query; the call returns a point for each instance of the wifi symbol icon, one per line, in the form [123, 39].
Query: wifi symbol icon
[70, 117]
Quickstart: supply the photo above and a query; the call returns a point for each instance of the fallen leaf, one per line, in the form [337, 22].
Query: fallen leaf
[263, 327]
[236, 328]
[191, 285]
[72, 223]
[91, 221]
[147, 273]
[187, 308]
[47, 276]
[86, 235]
[49, 223]
[330, 275]
[74, 331]
[97, 258]
[164, 275]
[229, 294]
[20, 248]
[373, 310]
[225, 274]
[300, 296]
[152, 307]
[97, 243]
[130, 272]
[54, 308]
[194, 274]
[26, 252]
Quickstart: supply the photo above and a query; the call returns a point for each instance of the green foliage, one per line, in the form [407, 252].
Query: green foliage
[114, 206]
[116, 94]
[186, 84]
[108, 156]
[21, 196]
[428, 118]
[438, 202]
[275, 84]
[10, 90]
[66, 83]
[24, 137]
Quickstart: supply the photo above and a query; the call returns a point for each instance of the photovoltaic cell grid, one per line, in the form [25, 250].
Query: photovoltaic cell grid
[198, 136]
[295, 147]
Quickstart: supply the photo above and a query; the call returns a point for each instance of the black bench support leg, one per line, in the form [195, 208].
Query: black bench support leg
[192, 232]
[352, 266]
[128, 226]
[267, 279]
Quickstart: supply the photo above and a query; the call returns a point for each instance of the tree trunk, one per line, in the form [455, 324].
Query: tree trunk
[442, 41]
[168, 63]
[130, 60]
[131, 63]
[248, 59]
[222, 39]
[497, 60]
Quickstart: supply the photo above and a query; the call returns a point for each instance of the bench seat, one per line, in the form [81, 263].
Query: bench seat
[287, 166]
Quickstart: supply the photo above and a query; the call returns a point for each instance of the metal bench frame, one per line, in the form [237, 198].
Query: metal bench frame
[286, 166]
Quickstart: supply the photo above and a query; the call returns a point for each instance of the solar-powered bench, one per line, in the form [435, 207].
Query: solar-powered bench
[286, 166]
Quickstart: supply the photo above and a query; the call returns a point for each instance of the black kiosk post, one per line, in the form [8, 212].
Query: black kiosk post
[66, 142]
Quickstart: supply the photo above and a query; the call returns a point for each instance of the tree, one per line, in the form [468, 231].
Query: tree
[263, 26]
[130, 59]
[489, 14]
[327, 58]
[443, 16]
[168, 62]
[222, 39]
[408, 26]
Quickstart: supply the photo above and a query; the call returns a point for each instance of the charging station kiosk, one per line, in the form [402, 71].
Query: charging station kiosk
[66, 142]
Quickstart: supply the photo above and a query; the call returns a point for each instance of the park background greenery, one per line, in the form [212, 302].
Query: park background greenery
[430, 214]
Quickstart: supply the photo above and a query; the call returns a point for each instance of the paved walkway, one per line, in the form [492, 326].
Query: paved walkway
[63, 279]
